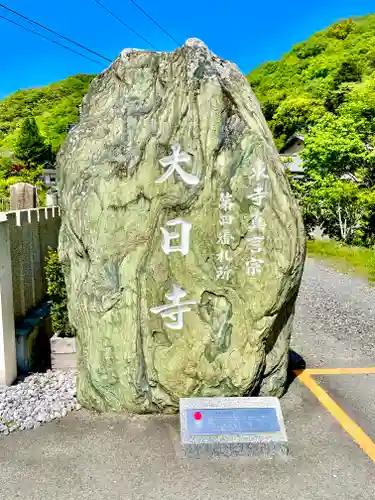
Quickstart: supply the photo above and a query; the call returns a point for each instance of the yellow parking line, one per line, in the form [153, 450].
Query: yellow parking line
[339, 371]
[356, 433]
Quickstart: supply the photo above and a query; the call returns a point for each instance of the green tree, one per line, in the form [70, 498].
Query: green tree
[5, 166]
[359, 104]
[348, 71]
[325, 87]
[325, 71]
[345, 210]
[341, 29]
[336, 97]
[56, 290]
[55, 107]
[295, 114]
[5, 191]
[304, 191]
[30, 146]
[334, 146]
[342, 208]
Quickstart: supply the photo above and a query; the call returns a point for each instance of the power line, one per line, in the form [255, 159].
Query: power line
[155, 22]
[49, 39]
[54, 32]
[122, 22]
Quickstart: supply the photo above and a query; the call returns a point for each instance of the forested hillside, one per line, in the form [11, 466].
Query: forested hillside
[324, 88]
[331, 76]
[54, 108]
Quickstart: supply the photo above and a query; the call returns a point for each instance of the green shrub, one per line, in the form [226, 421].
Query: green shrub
[341, 29]
[56, 290]
[311, 48]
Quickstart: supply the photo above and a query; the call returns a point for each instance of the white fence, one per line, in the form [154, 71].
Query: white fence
[25, 236]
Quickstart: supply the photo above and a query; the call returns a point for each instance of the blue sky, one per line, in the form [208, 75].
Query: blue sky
[243, 31]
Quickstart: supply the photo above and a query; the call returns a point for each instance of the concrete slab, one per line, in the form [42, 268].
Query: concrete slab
[95, 457]
[348, 392]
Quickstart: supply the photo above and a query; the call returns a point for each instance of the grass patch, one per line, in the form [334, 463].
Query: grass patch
[344, 258]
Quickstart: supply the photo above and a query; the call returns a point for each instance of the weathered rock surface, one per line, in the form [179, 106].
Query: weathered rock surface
[234, 341]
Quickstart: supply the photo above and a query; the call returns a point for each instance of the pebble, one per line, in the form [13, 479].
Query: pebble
[40, 398]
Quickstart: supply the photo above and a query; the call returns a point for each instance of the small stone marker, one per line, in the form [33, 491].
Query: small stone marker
[216, 427]
[22, 196]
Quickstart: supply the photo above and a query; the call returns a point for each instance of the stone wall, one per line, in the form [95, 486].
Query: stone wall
[25, 236]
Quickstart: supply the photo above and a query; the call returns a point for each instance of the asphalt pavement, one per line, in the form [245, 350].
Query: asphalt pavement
[105, 457]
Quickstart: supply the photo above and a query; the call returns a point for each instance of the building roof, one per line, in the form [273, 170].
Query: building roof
[291, 139]
[296, 167]
[349, 177]
[301, 137]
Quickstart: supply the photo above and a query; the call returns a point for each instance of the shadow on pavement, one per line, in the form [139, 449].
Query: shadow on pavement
[296, 362]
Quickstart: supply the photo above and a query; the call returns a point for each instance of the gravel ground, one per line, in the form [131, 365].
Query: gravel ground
[335, 318]
[40, 398]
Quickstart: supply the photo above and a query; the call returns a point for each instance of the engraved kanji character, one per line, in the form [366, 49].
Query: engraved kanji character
[226, 202]
[258, 196]
[260, 171]
[168, 237]
[226, 220]
[255, 243]
[173, 162]
[225, 255]
[257, 221]
[223, 272]
[254, 266]
[175, 310]
[225, 237]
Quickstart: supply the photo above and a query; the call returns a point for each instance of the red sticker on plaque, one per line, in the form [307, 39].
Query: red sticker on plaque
[198, 415]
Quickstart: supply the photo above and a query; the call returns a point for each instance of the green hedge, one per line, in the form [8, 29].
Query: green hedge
[57, 293]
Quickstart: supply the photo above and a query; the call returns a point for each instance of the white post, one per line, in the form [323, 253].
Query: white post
[8, 364]
[51, 198]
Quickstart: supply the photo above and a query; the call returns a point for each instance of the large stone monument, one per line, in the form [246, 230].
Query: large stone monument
[182, 245]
